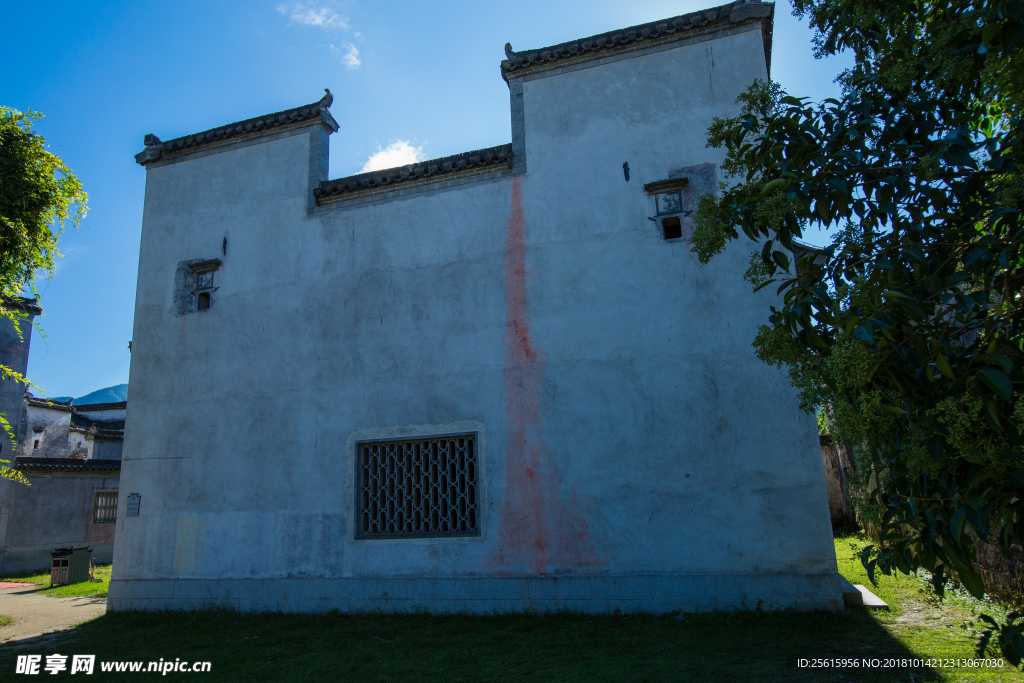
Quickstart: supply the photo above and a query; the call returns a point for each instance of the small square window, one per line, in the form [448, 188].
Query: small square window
[670, 202]
[672, 227]
[104, 509]
[204, 301]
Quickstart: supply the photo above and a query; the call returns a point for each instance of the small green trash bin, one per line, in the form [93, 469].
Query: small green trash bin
[69, 565]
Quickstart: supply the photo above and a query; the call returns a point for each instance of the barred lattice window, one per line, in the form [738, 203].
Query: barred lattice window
[418, 488]
[105, 507]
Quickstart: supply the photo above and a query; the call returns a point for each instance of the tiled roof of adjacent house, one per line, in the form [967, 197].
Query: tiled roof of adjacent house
[67, 465]
[98, 407]
[497, 157]
[104, 427]
[64, 406]
[156, 149]
[675, 28]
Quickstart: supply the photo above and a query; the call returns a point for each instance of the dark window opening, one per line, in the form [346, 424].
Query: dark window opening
[36, 446]
[204, 301]
[672, 228]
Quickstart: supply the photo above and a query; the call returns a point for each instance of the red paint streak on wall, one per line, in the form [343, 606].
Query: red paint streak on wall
[537, 530]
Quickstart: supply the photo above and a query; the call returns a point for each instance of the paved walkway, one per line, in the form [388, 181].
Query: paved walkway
[34, 614]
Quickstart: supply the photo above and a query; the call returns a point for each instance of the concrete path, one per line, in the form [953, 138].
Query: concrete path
[34, 614]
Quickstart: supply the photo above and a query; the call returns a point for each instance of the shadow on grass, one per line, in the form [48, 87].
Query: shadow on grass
[738, 646]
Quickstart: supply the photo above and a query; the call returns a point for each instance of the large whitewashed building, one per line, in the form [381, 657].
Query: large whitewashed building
[496, 380]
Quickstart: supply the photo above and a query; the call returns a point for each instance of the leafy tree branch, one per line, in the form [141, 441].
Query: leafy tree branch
[38, 195]
[908, 326]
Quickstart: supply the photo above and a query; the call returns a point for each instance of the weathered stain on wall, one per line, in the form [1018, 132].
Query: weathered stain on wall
[538, 531]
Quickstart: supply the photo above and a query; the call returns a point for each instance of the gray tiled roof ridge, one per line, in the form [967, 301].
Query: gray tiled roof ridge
[599, 45]
[23, 304]
[500, 155]
[100, 407]
[68, 406]
[65, 464]
[156, 148]
[52, 405]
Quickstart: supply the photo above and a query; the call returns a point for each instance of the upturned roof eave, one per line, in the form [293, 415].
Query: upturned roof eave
[605, 44]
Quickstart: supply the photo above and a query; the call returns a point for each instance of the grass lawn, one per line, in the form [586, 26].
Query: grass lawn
[747, 646]
[75, 590]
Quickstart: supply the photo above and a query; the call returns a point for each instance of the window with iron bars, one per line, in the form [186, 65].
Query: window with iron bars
[105, 507]
[418, 488]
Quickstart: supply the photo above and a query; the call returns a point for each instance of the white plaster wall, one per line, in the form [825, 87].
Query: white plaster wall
[53, 439]
[628, 430]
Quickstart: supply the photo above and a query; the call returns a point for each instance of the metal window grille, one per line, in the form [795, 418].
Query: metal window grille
[418, 488]
[105, 510]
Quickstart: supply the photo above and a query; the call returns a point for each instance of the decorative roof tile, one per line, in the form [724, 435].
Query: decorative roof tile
[67, 465]
[157, 149]
[497, 157]
[602, 45]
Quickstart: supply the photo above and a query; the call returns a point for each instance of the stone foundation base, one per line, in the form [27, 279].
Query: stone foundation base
[481, 595]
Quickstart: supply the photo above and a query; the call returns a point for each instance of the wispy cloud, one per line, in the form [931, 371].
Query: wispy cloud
[310, 15]
[351, 59]
[398, 153]
[327, 19]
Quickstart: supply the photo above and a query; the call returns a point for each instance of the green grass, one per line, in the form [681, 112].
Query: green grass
[742, 646]
[75, 590]
[4, 621]
[916, 617]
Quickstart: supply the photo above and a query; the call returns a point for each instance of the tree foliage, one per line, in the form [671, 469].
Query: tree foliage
[908, 327]
[38, 196]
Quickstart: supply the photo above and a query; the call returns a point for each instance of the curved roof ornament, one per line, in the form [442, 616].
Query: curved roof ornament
[327, 100]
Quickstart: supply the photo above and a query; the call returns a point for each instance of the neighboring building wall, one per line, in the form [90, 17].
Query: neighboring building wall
[634, 453]
[107, 450]
[48, 432]
[14, 355]
[71, 463]
[54, 511]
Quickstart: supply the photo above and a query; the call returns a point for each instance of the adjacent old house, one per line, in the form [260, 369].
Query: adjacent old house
[71, 456]
[494, 380]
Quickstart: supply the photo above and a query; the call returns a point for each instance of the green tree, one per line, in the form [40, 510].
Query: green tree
[38, 196]
[908, 327]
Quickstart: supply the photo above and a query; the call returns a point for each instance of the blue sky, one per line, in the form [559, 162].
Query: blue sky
[409, 78]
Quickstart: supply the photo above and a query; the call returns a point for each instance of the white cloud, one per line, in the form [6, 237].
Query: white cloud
[398, 153]
[313, 16]
[351, 59]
